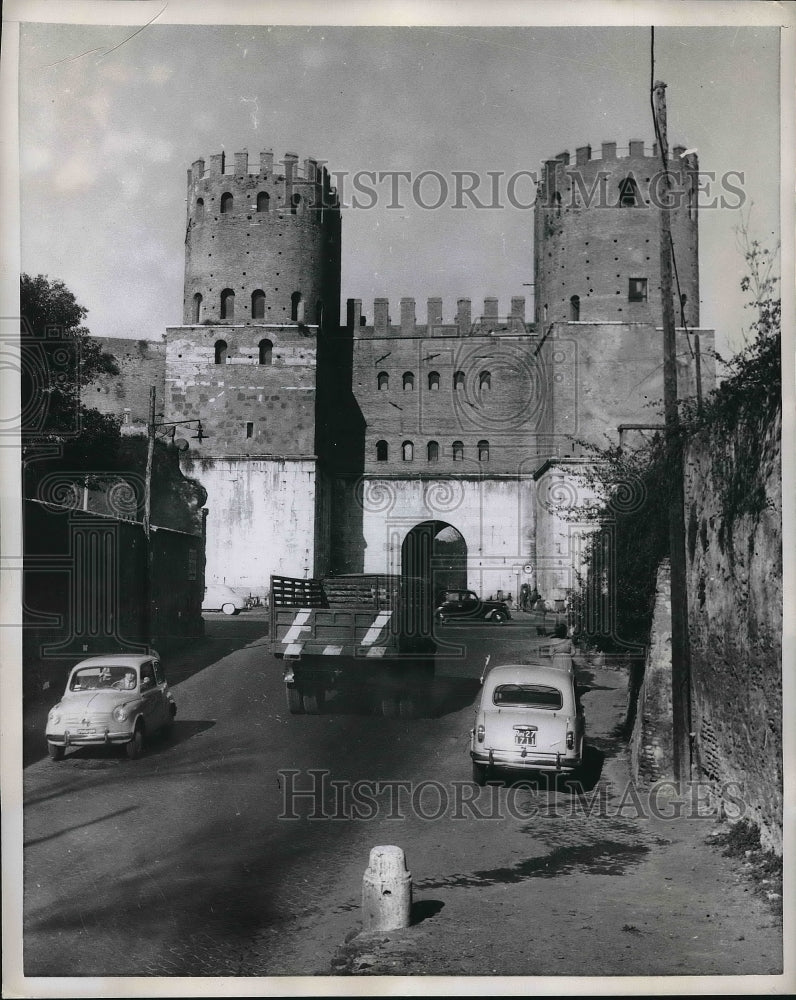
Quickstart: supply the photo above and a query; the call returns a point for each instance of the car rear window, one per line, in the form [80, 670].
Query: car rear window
[530, 695]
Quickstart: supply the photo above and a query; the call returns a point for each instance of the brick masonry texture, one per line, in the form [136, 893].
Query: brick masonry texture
[141, 363]
[735, 622]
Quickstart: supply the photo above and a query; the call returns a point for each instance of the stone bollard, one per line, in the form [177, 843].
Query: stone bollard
[386, 891]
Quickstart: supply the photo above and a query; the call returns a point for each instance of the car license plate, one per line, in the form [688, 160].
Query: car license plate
[86, 732]
[525, 737]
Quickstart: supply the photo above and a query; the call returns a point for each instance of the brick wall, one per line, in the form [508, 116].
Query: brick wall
[589, 246]
[141, 363]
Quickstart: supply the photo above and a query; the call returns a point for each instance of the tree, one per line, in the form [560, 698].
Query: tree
[59, 358]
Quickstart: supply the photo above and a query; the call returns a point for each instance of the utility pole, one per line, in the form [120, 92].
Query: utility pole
[681, 665]
[150, 452]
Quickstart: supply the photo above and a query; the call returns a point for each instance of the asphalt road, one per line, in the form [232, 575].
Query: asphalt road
[179, 863]
[196, 860]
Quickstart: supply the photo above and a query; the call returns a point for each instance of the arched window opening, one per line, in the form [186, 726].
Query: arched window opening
[485, 381]
[296, 308]
[458, 451]
[382, 451]
[221, 352]
[227, 304]
[263, 201]
[227, 202]
[198, 311]
[628, 193]
[574, 308]
[258, 304]
[383, 380]
[409, 381]
[433, 380]
[433, 451]
[295, 201]
[266, 352]
[483, 451]
[407, 451]
[200, 209]
[458, 380]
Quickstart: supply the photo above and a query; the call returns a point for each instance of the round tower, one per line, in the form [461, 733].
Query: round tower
[264, 247]
[597, 236]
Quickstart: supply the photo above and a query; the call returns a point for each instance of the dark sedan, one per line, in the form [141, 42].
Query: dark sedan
[467, 605]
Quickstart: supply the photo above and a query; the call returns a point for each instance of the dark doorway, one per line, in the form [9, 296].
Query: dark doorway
[433, 559]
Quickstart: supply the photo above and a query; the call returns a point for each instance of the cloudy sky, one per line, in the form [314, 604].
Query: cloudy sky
[109, 123]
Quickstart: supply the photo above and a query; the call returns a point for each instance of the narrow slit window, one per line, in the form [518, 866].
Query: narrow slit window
[227, 304]
[266, 352]
[258, 304]
[200, 209]
[198, 312]
[382, 451]
[433, 451]
[221, 352]
[574, 308]
[407, 451]
[249, 429]
[637, 290]
[296, 308]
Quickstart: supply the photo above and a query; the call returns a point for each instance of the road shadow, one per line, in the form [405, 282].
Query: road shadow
[447, 695]
[111, 755]
[584, 779]
[423, 909]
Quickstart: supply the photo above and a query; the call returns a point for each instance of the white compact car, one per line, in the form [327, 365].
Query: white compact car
[116, 698]
[220, 597]
[529, 717]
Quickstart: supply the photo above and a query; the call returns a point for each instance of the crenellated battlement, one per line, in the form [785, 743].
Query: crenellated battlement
[462, 323]
[219, 165]
[636, 149]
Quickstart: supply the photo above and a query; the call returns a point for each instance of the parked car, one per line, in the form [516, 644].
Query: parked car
[466, 604]
[220, 597]
[117, 698]
[529, 717]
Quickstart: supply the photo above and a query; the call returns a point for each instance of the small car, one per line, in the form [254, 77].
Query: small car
[468, 605]
[112, 699]
[529, 717]
[220, 597]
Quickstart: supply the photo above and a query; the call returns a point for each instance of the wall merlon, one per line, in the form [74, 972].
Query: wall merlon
[518, 307]
[582, 154]
[241, 163]
[217, 164]
[407, 316]
[381, 316]
[434, 313]
[464, 315]
[490, 308]
[608, 150]
[267, 161]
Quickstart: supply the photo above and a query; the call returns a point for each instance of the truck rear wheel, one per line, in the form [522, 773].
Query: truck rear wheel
[312, 699]
[295, 703]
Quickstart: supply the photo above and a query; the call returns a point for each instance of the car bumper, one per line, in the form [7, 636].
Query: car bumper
[513, 759]
[102, 736]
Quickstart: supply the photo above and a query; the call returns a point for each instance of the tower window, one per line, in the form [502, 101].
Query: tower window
[485, 381]
[433, 451]
[628, 193]
[296, 308]
[483, 451]
[249, 429]
[458, 451]
[637, 290]
[295, 201]
[574, 308]
[266, 352]
[383, 380]
[227, 304]
[458, 380]
[407, 451]
[198, 312]
[382, 451]
[433, 380]
[409, 382]
[200, 209]
[263, 201]
[258, 304]
[227, 203]
[221, 352]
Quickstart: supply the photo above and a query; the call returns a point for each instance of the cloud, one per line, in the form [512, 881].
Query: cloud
[77, 174]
